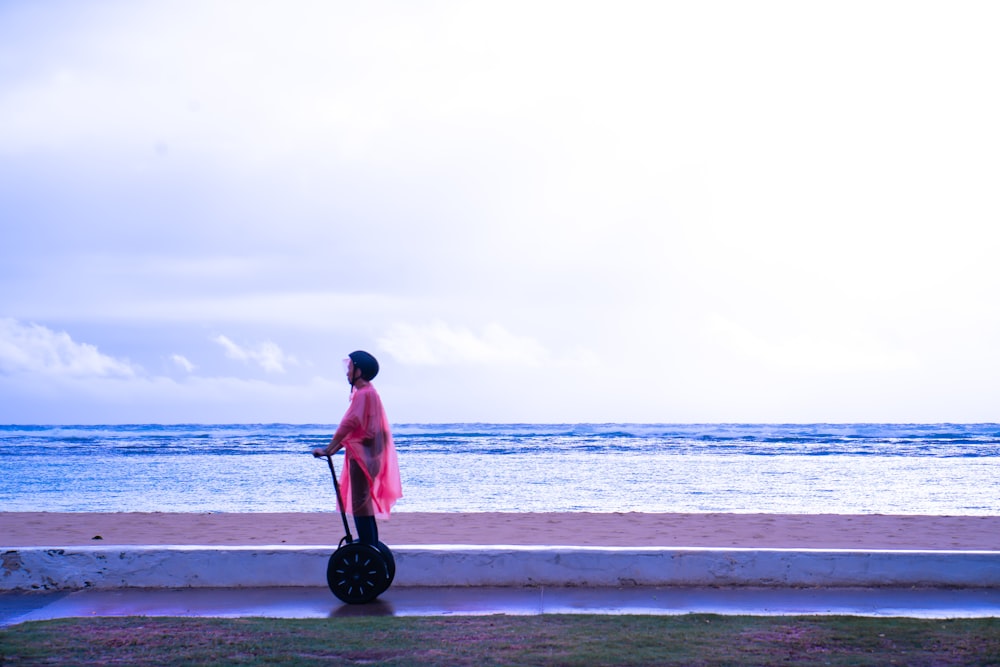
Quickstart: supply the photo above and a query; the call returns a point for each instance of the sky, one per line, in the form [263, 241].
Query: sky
[702, 211]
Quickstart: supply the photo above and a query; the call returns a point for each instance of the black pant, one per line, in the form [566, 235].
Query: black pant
[367, 529]
[361, 502]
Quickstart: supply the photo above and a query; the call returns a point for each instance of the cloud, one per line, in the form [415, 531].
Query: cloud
[183, 362]
[267, 355]
[160, 400]
[32, 348]
[47, 377]
[439, 344]
[829, 351]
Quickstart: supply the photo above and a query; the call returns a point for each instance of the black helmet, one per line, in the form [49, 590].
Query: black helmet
[365, 363]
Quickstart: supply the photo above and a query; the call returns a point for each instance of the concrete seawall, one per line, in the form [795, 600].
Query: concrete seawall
[115, 567]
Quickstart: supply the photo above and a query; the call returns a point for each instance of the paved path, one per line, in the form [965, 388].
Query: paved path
[308, 602]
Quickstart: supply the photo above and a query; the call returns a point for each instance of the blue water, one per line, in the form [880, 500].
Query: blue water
[939, 469]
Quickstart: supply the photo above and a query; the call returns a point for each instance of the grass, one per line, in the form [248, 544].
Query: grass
[691, 640]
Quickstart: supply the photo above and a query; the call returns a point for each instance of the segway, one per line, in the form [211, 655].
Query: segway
[357, 573]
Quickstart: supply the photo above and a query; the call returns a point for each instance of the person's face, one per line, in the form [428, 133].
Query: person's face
[350, 371]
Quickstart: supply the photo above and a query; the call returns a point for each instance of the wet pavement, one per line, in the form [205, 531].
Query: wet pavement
[307, 602]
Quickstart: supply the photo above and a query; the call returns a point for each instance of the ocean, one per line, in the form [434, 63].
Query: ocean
[933, 469]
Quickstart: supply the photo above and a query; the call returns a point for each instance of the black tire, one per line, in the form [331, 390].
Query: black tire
[390, 563]
[357, 573]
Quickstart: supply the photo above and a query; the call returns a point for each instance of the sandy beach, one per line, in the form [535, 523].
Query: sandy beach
[826, 531]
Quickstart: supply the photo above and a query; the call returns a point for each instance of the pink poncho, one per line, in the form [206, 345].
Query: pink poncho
[369, 482]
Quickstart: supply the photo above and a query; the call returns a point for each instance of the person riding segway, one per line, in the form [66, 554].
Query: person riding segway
[369, 486]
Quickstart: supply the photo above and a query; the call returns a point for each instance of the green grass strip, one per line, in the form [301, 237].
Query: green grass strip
[695, 639]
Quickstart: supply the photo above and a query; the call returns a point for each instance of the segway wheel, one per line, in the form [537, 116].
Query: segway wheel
[357, 573]
[390, 563]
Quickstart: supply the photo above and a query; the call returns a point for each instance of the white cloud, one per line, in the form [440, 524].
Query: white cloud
[32, 348]
[831, 349]
[308, 310]
[183, 362]
[158, 399]
[439, 344]
[267, 355]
